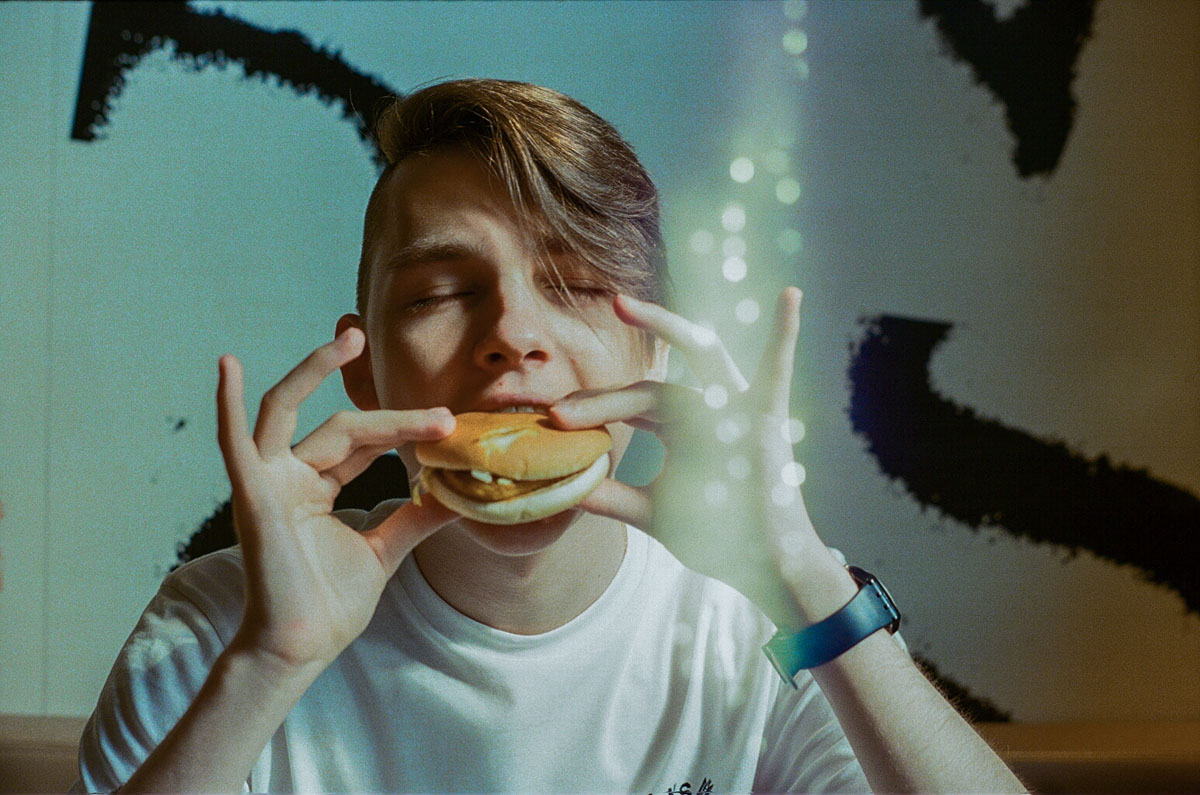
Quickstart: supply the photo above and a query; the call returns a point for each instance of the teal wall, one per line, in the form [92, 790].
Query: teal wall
[222, 215]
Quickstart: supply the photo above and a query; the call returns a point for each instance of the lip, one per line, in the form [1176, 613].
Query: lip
[498, 402]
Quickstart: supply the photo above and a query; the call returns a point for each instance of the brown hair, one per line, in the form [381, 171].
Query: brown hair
[566, 168]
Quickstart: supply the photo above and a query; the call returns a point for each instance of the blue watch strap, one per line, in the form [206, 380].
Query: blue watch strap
[871, 609]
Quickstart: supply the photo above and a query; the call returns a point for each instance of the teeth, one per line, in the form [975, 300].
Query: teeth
[519, 410]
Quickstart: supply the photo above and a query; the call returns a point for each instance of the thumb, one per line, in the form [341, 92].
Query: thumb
[623, 502]
[410, 524]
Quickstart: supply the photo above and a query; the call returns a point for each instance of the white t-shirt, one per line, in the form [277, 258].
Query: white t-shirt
[659, 687]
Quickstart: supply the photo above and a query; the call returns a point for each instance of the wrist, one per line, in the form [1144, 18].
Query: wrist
[271, 671]
[819, 585]
[868, 611]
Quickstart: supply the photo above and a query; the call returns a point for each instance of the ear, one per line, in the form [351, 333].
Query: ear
[357, 377]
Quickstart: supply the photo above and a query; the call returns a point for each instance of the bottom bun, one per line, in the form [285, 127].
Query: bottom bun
[526, 508]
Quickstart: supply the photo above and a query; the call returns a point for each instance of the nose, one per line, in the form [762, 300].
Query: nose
[515, 336]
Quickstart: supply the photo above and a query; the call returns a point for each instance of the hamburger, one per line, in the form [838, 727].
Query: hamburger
[512, 467]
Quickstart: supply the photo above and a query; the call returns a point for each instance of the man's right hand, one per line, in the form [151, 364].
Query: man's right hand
[312, 583]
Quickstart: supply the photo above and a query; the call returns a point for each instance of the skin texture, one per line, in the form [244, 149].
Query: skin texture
[476, 323]
[471, 323]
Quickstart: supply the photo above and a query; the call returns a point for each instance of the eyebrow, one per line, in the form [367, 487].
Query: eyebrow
[430, 249]
[439, 249]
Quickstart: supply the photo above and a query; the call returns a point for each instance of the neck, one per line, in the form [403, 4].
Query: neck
[524, 594]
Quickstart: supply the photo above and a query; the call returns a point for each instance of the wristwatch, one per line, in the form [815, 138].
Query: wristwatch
[871, 609]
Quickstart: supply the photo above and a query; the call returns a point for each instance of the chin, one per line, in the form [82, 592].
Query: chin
[518, 540]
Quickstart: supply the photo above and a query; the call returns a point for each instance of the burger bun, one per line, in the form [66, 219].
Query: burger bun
[529, 468]
[530, 507]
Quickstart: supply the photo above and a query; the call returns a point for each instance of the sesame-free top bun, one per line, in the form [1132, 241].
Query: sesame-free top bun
[518, 446]
[506, 468]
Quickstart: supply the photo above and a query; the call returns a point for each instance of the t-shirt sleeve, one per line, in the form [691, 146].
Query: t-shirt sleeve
[159, 670]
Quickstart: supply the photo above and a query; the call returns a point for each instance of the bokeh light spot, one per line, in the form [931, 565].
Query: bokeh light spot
[738, 467]
[795, 10]
[716, 396]
[746, 311]
[733, 218]
[789, 241]
[734, 269]
[703, 336]
[787, 190]
[793, 474]
[783, 495]
[741, 169]
[795, 41]
[792, 430]
[715, 492]
[729, 430]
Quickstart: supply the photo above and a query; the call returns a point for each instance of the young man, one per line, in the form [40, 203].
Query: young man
[511, 258]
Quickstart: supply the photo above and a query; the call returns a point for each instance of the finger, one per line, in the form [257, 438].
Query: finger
[656, 428]
[233, 430]
[346, 432]
[342, 473]
[773, 381]
[703, 349]
[622, 502]
[407, 526]
[640, 404]
[277, 415]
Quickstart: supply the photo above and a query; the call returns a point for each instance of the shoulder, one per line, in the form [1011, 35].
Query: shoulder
[161, 666]
[211, 586]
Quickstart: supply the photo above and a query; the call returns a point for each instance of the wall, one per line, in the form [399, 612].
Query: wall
[218, 213]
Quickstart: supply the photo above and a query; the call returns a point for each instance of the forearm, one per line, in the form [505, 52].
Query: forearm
[906, 736]
[216, 742]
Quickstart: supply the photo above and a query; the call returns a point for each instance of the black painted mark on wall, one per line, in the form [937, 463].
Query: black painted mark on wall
[983, 473]
[975, 708]
[120, 34]
[1028, 63]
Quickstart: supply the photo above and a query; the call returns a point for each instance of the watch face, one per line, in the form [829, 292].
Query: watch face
[861, 576]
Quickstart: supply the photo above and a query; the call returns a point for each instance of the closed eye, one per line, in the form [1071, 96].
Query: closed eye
[431, 301]
[588, 290]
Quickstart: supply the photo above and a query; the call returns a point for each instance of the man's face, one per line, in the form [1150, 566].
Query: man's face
[461, 312]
